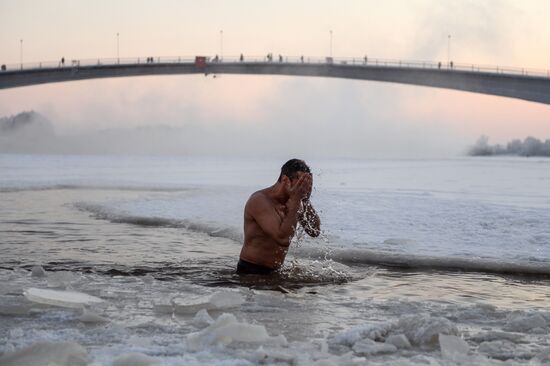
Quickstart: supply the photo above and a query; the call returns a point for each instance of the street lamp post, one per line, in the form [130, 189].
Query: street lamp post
[117, 48]
[221, 45]
[449, 50]
[330, 43]
[21, 53]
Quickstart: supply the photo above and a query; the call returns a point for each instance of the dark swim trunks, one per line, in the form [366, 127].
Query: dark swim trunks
[245, 267]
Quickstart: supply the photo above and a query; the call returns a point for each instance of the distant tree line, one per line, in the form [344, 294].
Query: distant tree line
[18, 121]
[528, 147]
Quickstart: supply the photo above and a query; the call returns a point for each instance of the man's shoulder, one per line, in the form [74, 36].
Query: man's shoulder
[260, 195]
[257, 199]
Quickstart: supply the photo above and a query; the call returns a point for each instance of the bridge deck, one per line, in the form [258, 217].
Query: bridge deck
[514, 83]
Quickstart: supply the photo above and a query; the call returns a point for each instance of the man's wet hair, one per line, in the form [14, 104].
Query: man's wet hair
[292, 167]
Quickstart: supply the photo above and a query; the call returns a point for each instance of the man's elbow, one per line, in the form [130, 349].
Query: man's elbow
[282, 240]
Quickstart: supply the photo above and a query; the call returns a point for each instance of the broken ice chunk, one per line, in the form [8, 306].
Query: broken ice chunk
[202, 319]
[399, 341]
[68, 299]
[453, 348]
[217, 301]
[273, 356]
[504, 349]
[226, 329]
[350, 336]
[38, 272]
[226, 300]
[423, 329]
[190, 304]
[61, 279]
[370, 347]
[14, 305]
[48, 353]
[525, 322]
[89, 316]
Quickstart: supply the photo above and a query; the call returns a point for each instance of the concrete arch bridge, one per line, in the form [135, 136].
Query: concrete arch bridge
[530, 85]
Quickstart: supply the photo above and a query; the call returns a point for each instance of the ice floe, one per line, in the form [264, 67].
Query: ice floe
[368, 347]
[89, 316]
[226, 300]
[227, 329]
[496, 335]
[38, 271]
[61, 279]
[504, 349]
[453, 348]
[423, 329]
[527, 322]
[349, 337]
[47, 353]
[202, 319]
[14, 305]
[193, 303]
[303, 353]
[69, 299]
[418, 330]
[399, 341]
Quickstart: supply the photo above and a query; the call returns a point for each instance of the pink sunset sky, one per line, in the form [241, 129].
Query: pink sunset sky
[305, 115]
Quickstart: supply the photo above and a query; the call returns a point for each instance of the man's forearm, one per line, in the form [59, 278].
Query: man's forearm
[288, 225]
[309, 219]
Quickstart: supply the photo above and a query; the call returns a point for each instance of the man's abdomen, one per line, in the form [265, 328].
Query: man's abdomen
[263, 251]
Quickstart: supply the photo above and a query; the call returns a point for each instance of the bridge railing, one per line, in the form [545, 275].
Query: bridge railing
[341, 61]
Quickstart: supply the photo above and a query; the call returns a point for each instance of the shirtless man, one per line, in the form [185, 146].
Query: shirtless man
[271, 216]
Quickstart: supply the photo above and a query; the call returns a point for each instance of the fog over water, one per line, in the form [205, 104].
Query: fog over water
[316, 118]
